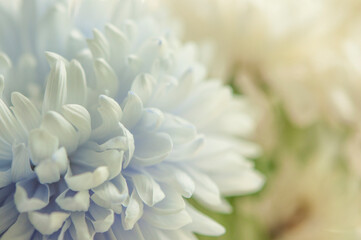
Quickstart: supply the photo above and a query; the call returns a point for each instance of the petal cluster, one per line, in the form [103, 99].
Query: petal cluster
[124, 131]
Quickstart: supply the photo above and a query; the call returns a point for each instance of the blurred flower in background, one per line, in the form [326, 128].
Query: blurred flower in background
[300, 63]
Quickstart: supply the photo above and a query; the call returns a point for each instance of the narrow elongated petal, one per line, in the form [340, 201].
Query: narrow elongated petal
[58, 126]
[76, 84]
[79, 117]
[20, 166]
[143, 86]
[202, 224]
[25, 111]
[8, 215]
[99, 46]
[102, 218]
[80, 230]
[149, 191]
[56, 88]
[133, 212]
[22, 229]
[106, 77]
[132, 110]
[168, 221]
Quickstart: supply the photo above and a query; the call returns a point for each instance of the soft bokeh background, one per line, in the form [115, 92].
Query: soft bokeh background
[299, 62]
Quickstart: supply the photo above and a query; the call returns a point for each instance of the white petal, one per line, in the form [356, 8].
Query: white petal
[47, 172]
[53, 58]
[76, 84]
[20, 230]
[175, 177]
[30, 195]
[111, 194]
[57, 125]
[133, 212]
[20, 166]
[53, 28]
[206, 190]
[151, 120]
[61, 235]
[46, 223]
[99, 46]
[86, 180]
[89, 159]
[122, 233]
[60, 157]
[74, 201]
[172, 221]
[111, 114]
[172, 203]
[240, 182]
[118, 43]
[10, 129]
[5, 150]
[202, 224]
[8, 215]
[152, 148]
[160, 234]
[180, 130]
[2, 85]
[143, 86]
[55, 92]
[80, 118]
[106, 78]
[42, 145]
[187, 150]
[132, 110]
[102, 218]
[25, 111]
[149, 191]
[80, 231]
[5, 176]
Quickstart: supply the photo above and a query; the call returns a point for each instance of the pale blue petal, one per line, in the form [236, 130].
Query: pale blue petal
[149, 190]
[202, 224]
[79, 229]
[171, 221]
[111, 194]
[8, 214]
[151, 148]
[20, 166]
[30, 195]
[133, 212]
[58, 126]
[20, 230]
[79, 117]
[101, 218]
[132, 110]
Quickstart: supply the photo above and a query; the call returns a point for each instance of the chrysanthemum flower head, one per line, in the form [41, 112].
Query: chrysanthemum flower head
[124, 130]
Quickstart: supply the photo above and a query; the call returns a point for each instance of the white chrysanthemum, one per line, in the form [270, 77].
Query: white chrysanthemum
[123, 132]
